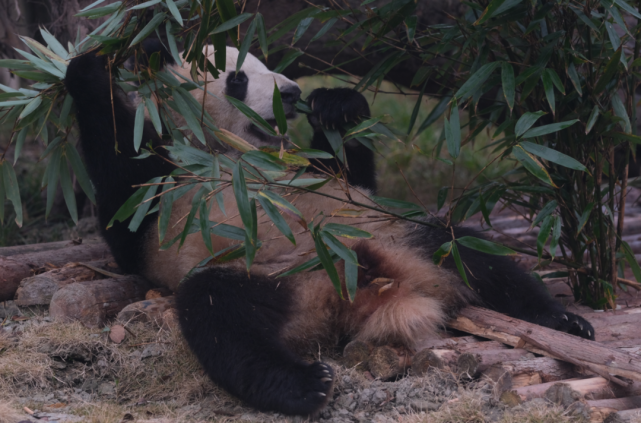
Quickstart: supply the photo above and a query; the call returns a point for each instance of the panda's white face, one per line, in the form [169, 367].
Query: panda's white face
[254, 85]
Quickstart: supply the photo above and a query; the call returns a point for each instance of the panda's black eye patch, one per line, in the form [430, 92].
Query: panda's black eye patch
[236, 85]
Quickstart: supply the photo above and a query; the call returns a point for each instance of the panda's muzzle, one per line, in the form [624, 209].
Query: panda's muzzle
[290, 94]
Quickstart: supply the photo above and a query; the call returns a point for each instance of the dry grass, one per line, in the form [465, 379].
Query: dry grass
[9, 413]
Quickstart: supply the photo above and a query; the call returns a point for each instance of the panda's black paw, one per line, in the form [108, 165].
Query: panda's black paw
[569, 323]
[311, 390]
[86, 70]
[335, 108]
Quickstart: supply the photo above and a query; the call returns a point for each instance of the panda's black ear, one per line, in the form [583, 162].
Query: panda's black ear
[236, 85]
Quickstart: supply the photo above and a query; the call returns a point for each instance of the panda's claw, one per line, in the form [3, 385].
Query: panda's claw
[566, 322]
[565, 317]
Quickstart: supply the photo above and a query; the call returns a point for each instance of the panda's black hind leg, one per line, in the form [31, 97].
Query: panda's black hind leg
[567, 322]
[232, 324]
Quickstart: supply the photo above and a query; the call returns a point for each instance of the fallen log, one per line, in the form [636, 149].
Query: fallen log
[39, 289]
[15, 268]
[615, 326]
[535, 371]
[508, 330]
[148, 310]
[616, 404]
[629, 415]
[592, 388]
[46, 246]
[93, 302]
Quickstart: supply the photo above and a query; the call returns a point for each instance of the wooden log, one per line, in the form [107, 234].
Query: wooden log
[461, 343]
[615, 326]
[93, 302]
[592, 388]
[535, 371]
[617, 404]
[630, 415]
[499, 327]
[39, 289]
[15, 268]
[147, 310]
[46, 246]
[463, 363]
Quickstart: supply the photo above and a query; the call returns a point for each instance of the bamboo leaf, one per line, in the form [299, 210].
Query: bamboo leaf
[153, 115]
[532, 165]
[166, 204]
[619, 110]
[30, 107]
[328, 264]
[434, 114]
[526, 121]
[346, 231]
[242, 199]
[609, 71]
[244, 47]
[149, 28]
[553, 156]
[544, 234]
[574, 78]
[548, 87]
[351, 279]
[631, 259]
[507, 79]
[262, 35]
[139, 125]
[264, 160]
[173, 9]
[459, 264]
[232, 23]
[203, 220]
[544, 212]
[485, 246]
[339, 248]
[584, 217]
[594, 115]
[142, 209]
[276, 218]
[251, 115]
[442, 252]
[284, 206]
[279, 111]
[67, 191]
[476, 80]
[556, 236]
[190, 118]
[11, 190]
[549, 129]
[453, 135]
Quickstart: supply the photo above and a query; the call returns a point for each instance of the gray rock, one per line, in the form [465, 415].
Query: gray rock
[423, 405]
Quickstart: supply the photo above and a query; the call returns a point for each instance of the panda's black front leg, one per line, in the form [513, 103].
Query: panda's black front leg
[232, 323]
[335, 109]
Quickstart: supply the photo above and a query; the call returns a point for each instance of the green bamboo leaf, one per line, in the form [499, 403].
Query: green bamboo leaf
[631, 10]
[52, 173]
[453, 131]
[434, 114]
[54, 44]
[142, 209]
[30, 107]
[339, 248]
[574, 78]
[153, 115]
[145, 4]
[459, 264]
[544, 212]
[507, 79]
[284, 206]
[252, 115]
[335, 141]
[548, 87]
[16, 64]
[549, 129]
[532, 165]
[301, 29]
[190, 118]
[485, 246]
[279, 111]
[171, 5]
[242, 200]
[11, 190]
[594, 115]
[139, 125]
[12, 103]
[544, 234]
[328, 25]
[276, 218]
[244, 47]
[195, 203]
[232, 23]
[619, 110]
[149, 28]
[328, 264]
[489, 11]
[443, 251]
[476, 80]
[65, 109]
[346, 231]
[166, 204]
[171, 41]
[79, 171]
[556, 236]
[584, 217]
[99, 11]
[351, 279]
[609, 71]
[203, 220]
[67, 191]
[129, 207]
[526, 121]
[251, 239]
[442, 196]
[631, 259]
[262, 35]
[264, 160]
[552, 156]
[22, 135]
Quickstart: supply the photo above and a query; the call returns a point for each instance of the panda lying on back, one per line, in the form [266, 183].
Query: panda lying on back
[249, 333]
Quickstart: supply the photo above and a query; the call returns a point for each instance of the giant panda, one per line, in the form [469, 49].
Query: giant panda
[251, 331]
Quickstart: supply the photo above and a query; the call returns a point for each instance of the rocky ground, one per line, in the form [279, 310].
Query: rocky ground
[67, 373]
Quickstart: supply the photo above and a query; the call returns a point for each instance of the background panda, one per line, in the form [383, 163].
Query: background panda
[249, 331]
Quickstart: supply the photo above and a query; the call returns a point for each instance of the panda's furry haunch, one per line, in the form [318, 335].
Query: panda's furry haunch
[250, 332]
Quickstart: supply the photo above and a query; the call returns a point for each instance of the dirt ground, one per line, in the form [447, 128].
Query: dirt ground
[67, 373]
